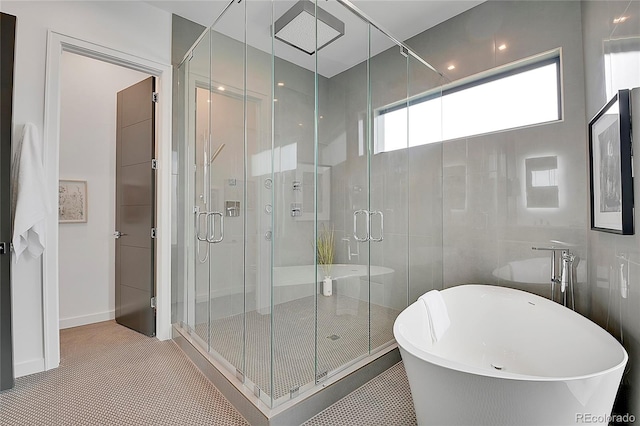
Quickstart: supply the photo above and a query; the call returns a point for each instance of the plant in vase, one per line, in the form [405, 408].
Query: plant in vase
[326, 252]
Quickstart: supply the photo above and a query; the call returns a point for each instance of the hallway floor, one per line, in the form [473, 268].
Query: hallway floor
[110, 375]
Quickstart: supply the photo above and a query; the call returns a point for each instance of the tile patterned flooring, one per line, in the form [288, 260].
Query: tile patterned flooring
[294, 330]
[384, 400]
[110, 375]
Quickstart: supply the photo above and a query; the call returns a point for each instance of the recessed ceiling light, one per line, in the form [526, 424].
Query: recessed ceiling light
[221, 88]
[451, 67]
[280, 84]
[620, 20]
[300, 124]
[275, 99]
[321, 116]
[502, 47]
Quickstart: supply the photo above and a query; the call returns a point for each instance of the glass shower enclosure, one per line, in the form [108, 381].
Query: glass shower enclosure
[286, 139]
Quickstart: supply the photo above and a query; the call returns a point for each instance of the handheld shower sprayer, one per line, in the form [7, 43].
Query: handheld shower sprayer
[215, 154]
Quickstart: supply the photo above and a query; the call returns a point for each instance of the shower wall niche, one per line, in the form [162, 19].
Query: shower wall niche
[278, 148]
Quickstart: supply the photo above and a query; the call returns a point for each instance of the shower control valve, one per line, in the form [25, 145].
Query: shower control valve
[296, 209]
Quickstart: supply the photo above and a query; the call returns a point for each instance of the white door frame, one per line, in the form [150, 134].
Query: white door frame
[56, 44]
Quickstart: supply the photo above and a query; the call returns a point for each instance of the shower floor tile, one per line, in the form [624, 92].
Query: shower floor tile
[343, 335]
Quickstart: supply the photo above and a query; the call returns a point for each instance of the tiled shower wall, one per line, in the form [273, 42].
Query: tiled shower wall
[469, 195]
[466, 198]
[467, 214]
[486, 221]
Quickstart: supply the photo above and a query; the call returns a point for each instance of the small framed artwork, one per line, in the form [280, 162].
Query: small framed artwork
[610, 166]
[72, 201]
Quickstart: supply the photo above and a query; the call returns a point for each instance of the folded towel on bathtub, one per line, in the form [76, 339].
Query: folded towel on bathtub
[437, 314]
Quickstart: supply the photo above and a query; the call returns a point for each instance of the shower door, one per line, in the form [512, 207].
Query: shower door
[343, 319]
[388, 189]
[230, 198]
[227, 203]
[369, 196]
[197, 132]
[217, 134]
[281, 151]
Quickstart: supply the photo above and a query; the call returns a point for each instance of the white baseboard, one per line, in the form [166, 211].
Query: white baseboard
[28, 367]
[86, 319]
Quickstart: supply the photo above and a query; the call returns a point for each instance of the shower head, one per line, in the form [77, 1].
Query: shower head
[296, 27]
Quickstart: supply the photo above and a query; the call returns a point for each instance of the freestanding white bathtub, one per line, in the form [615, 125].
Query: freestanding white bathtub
[509, 357]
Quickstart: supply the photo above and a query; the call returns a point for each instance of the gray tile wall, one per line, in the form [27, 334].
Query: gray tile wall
[468, 196]
[486, 222]
[614, 260]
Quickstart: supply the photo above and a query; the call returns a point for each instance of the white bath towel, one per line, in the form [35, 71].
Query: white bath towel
[30, 204]
[437, 314]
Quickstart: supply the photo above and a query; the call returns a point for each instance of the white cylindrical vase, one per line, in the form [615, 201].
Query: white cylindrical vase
[327, 286]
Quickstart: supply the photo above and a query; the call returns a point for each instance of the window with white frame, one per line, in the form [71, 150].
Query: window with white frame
[510, 97]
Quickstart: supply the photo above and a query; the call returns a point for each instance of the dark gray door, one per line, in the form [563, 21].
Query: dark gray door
[135, 207]
[7, 38]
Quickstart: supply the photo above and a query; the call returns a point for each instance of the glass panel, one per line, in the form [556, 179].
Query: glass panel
[294, 270]
[226, 191]
[259, 207]
[343, 317]
[281, 150]
[179, 182]
[388, 195]
[198, 130]
[425, 185]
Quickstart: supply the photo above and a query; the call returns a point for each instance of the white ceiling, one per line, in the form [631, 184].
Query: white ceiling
[401, 18]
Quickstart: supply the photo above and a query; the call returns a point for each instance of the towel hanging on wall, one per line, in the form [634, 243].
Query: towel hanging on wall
[29, 198]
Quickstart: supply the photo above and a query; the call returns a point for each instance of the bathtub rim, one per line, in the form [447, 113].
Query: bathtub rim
[429, 357]
[380, 270]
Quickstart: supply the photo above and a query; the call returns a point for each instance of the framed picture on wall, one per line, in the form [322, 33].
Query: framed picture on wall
[72, 201]
[610, 166]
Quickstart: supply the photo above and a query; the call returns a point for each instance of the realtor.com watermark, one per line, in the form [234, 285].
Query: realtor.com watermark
[588, 418]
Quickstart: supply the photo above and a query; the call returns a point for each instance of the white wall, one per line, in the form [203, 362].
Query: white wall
[88, 90]
[132, 27]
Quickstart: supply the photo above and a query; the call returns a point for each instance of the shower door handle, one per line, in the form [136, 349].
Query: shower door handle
[198, 216]
[221, 227]
[355, 225]
[211, 237]
[381, 237]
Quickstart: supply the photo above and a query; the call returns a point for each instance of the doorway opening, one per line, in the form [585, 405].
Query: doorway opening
[58, 43]
[105, 186]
